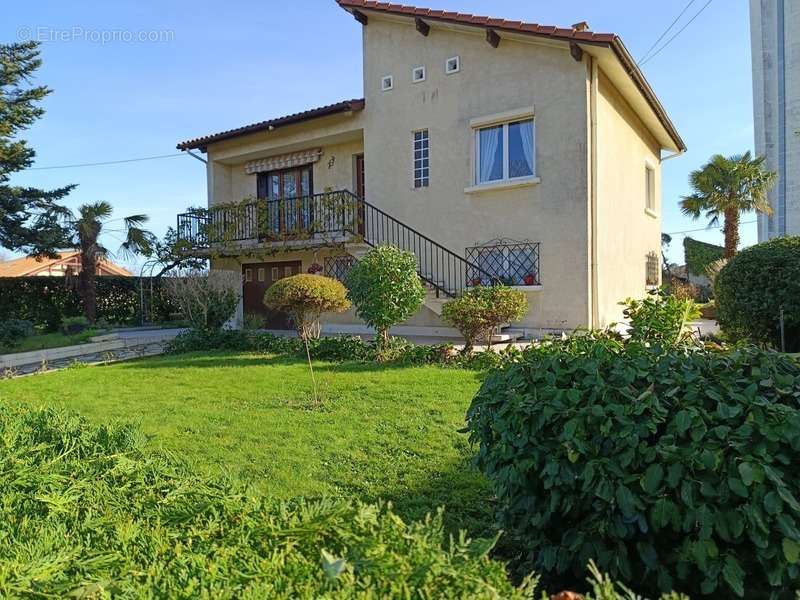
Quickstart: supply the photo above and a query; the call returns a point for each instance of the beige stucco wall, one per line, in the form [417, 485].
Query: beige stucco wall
[339, 136]
[491, 80]
[625, 231]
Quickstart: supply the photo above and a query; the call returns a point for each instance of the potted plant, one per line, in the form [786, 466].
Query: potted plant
[529, 279]
[315, 268]
[476, 281]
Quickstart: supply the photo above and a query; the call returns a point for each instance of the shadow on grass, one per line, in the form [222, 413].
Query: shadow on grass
[232, 359]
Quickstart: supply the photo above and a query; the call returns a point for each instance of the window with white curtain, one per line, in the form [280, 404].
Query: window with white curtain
[505, 152]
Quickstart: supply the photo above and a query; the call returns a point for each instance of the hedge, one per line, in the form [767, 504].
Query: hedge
[699, 255]
[46, 301]
[754, 286]
[674, 468]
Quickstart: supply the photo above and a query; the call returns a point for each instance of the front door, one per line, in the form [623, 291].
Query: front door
[257, 277]
[288, 193]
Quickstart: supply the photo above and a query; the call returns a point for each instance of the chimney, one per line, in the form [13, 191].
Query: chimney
[582, 26]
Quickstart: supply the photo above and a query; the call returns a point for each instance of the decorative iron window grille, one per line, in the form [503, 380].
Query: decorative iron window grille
[422, 170]
[511, 262]
[651, 269]
[337, 267]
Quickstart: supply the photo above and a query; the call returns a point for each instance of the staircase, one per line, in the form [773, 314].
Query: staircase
[444, 273]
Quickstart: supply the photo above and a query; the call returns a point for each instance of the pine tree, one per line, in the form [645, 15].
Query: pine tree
[30, 218]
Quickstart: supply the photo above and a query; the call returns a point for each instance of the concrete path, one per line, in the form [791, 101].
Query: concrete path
[111, 347]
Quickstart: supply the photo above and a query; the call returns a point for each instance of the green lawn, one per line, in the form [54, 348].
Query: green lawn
[42, 341]
[380, 432]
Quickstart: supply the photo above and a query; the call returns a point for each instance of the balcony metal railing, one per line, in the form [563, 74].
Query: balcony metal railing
[337, 215]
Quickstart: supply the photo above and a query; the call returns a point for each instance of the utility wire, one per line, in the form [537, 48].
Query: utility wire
[707, 228]
[667, 30]
[669, 41]
[110, 162]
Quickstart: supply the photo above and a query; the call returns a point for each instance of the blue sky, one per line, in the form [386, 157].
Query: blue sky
[219, 66]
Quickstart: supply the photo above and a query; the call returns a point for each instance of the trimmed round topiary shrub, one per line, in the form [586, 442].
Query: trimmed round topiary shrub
[481, 310]
[304, 298]
[385, 288]
[753, 287]
[678, 470]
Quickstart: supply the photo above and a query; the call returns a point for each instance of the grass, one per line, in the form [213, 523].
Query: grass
[44, 341]
[385, 432]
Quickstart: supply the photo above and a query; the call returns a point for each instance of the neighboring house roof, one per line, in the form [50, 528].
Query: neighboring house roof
[28, 266]
[314, 113]
[576, 35]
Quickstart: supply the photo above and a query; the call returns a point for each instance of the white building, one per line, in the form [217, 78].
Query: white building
[775, 36]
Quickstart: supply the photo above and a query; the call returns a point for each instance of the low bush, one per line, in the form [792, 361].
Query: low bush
[660, 319]
[479, 312]
[385, 288]
[338, 349]
[13, 331]
[74, 325]
[754, 288]
[86, 512]
[304, 298]
[675, 468]
[207, 300]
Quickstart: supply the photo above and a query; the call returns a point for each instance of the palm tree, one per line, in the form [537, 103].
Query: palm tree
[726, 187]
[84, 229]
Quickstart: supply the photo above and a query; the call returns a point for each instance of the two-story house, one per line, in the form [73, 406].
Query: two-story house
[492, 149]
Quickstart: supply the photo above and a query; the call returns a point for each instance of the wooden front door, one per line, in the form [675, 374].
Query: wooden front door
[257, 277]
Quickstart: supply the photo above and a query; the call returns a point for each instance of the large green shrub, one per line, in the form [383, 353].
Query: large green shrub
[385, 288]
[753, 287]
[86, 512]
[700, 255]
[675, 468]
[46, 301]
[13, 331]
[659, 319]
[481, 310]
[304, 298]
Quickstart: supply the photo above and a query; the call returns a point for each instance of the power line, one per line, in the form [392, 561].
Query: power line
[667, 30]
[707, 228]
[110, 162]
[669, 41]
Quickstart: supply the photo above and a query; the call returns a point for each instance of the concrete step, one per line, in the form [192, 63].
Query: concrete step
[357, 249]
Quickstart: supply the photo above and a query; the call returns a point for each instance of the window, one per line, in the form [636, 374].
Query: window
[338, 267]
[421, 159]
[651, 269]
[276, 273]
[452, 65]
[262, 274]
[417, 74]
[504, 152]
[650, 188]
[507, 261]
[387, 83]
[248, 275]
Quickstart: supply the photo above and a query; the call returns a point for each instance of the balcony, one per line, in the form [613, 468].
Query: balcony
[320, 219]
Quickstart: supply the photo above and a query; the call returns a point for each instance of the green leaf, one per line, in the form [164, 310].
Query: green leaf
[683, 421]
[791, 550]
[737, 487]
[733, 575]
[652, 478]
[674, 474]
[787, 497]
[625, 500]
[772, 503]
[746, 473]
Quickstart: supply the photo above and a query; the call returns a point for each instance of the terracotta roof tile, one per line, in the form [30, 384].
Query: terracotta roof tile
[322, 111]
